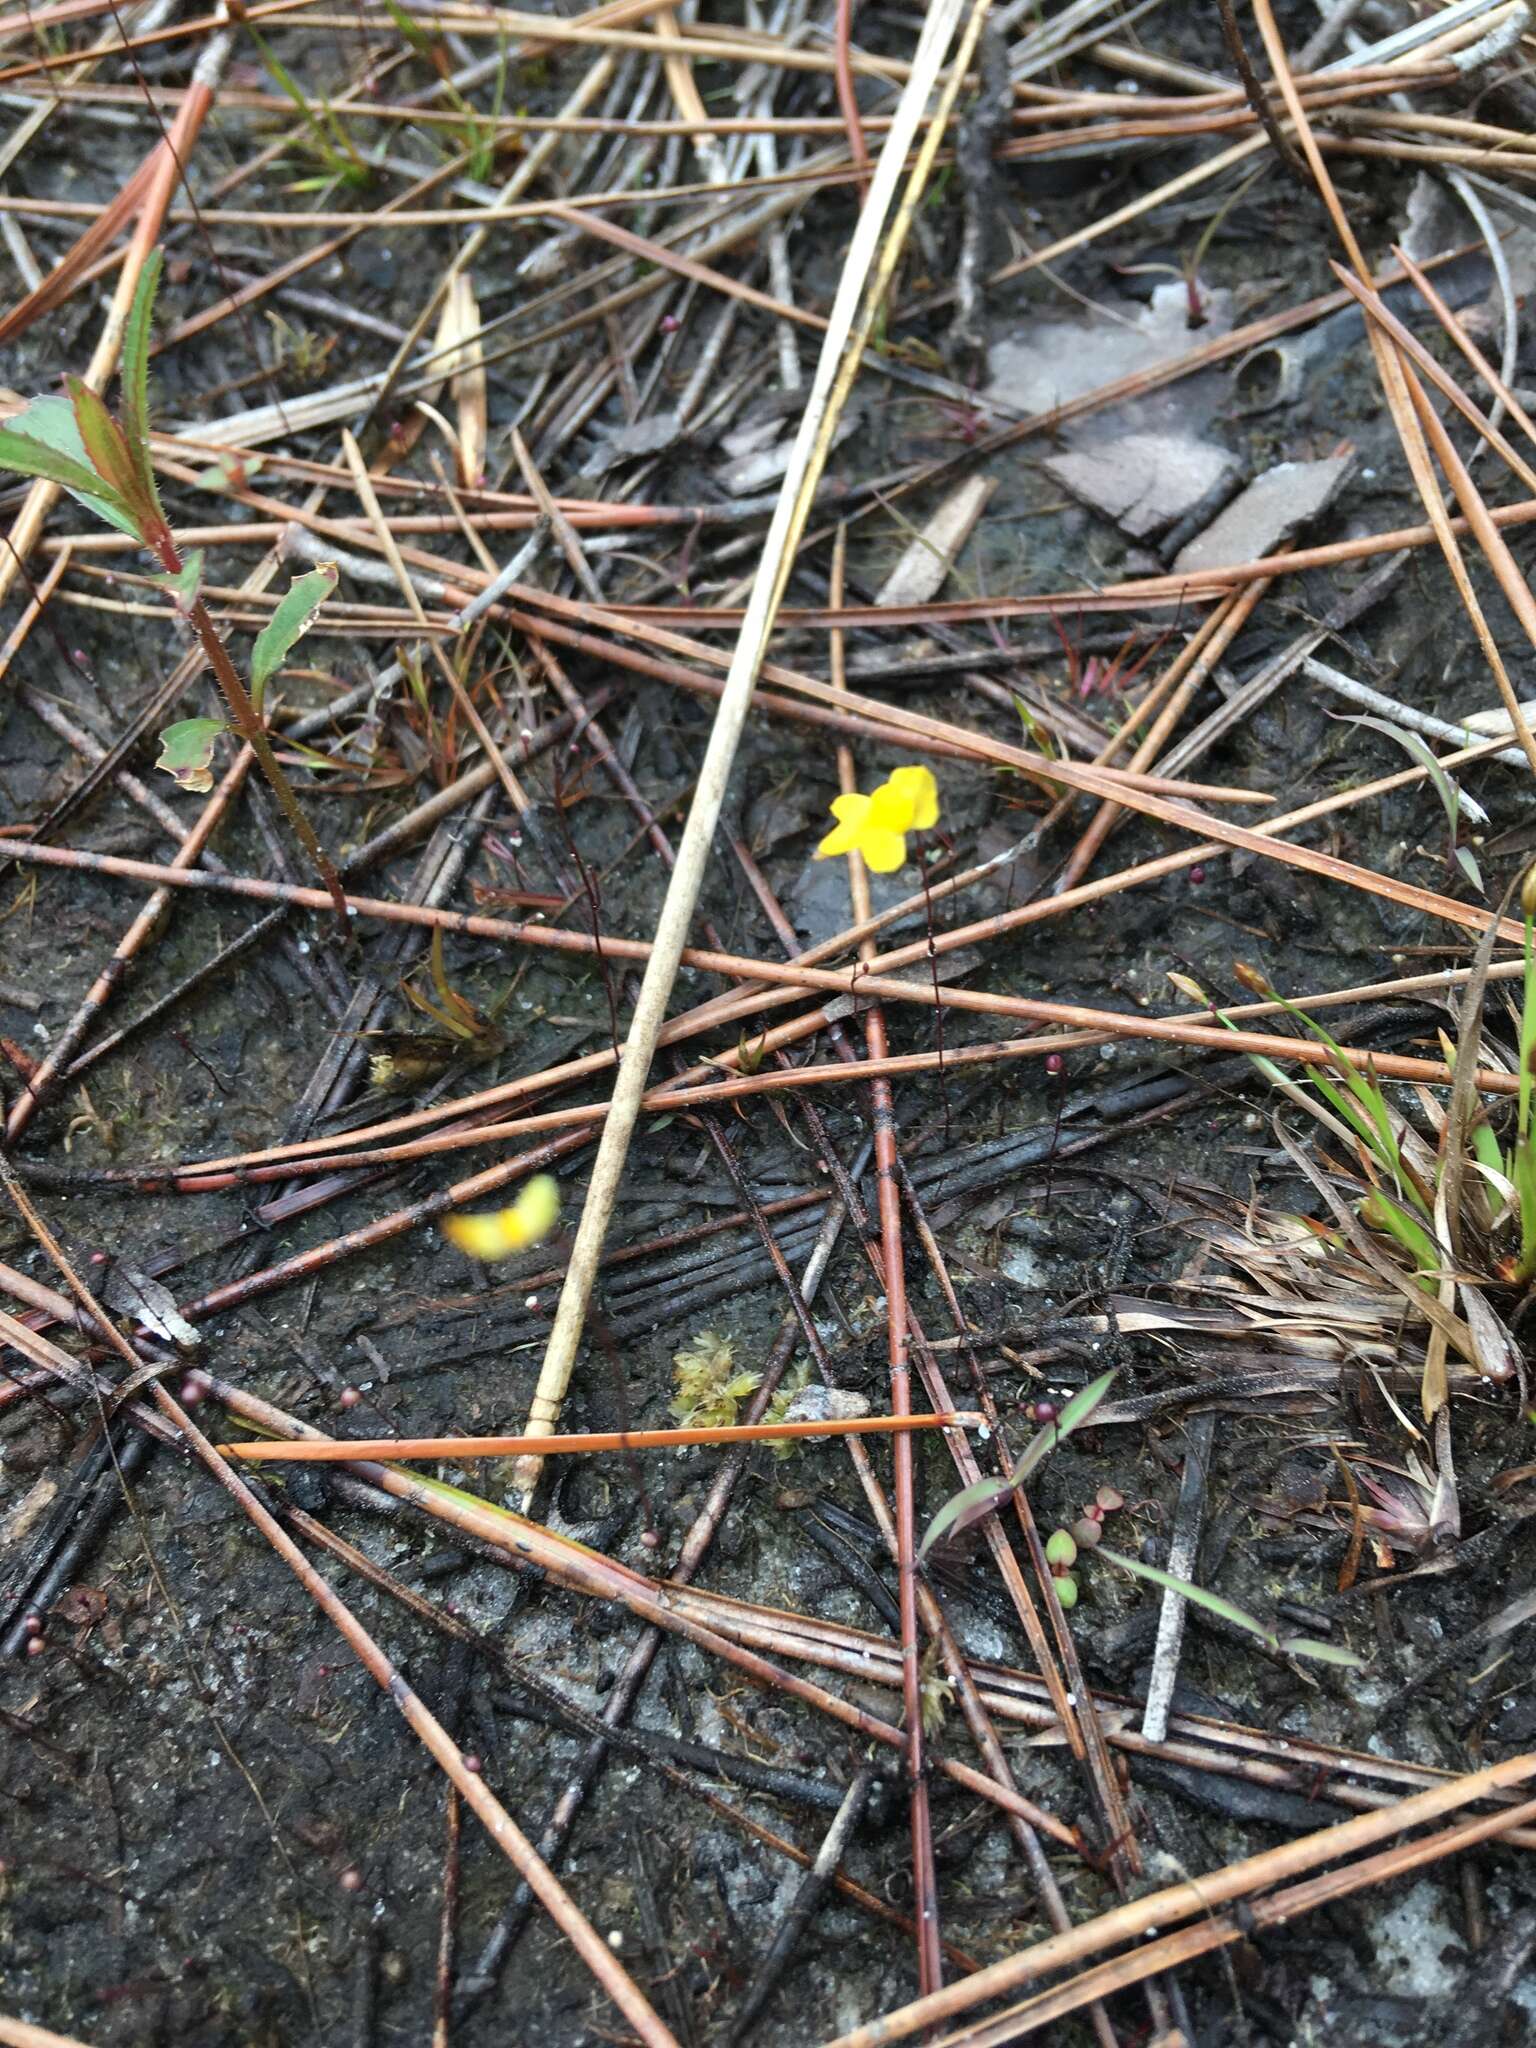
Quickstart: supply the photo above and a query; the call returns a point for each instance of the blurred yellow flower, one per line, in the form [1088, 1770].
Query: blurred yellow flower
[499, 1232]
[877, 825]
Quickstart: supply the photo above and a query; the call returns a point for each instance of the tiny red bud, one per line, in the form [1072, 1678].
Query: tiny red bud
[1043, 1412]
[349, 1397]
[36, 1646]
[651, 1538]
[32, 1625]
[473, 1763]
[1197, 874]
[191, 1391]
[1054, 1063]
[352, 1880]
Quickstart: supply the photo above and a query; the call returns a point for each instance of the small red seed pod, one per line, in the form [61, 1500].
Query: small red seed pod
[1042, 1412]
[349, 1397]
[352, 1880]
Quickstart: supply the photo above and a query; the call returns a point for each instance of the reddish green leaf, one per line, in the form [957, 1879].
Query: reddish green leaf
[105, 448]
[964, 1510]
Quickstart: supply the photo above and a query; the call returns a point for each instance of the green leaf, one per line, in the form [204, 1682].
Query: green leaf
[964, 1510]
[135, 377]
[413, 32]
[1201, 1596]
[1073, 1416]
[288, 625]
[43, 440]
[184, 587]
[1452, 796]
[1324, 1653]
[228, 474]
[1524, 1178]
[1382, 1213]
[186, 750]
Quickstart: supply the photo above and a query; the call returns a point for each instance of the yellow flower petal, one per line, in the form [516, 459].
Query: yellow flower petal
[883, 851]
[890, 809]
[921, 792]
[841, 839]
[850, 812]
[496, 1233]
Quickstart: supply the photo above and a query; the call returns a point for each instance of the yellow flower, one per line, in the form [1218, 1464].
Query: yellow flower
[876, 826]
[500, 1231]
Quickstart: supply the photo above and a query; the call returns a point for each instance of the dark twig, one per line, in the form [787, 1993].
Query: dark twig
[803, 1907]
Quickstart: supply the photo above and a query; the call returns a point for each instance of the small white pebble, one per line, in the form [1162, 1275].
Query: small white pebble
[616, 1939]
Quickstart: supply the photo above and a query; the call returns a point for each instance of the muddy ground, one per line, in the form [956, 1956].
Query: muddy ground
[214, 1829]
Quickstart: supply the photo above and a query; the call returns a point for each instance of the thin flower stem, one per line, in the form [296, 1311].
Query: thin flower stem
[249, 726]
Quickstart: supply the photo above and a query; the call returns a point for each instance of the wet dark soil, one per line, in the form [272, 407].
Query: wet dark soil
[214, 1828]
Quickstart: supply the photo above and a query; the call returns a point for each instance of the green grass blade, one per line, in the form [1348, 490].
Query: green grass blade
[1322, 1653]
[1200, 1596]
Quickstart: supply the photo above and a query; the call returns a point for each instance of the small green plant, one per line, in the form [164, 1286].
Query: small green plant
[300, 355]
[1086, 1533]
[973, 1503]
[1403, 1177]
[709, 1388]
[105, 464]
[328, 139]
